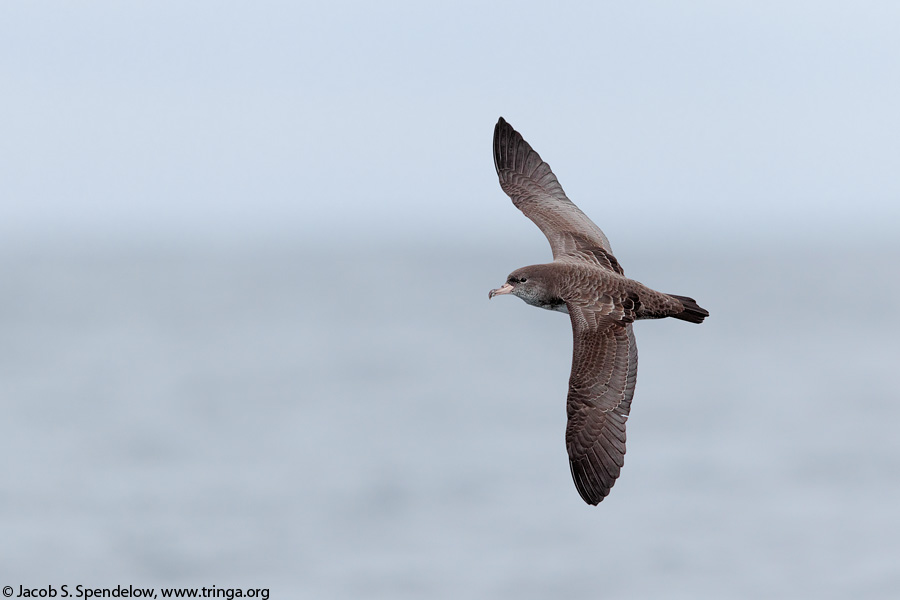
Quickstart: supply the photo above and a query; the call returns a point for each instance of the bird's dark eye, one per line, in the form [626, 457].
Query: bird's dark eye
[522, 280]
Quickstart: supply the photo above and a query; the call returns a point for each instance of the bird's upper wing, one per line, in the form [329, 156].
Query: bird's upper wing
[604, 371]
[535, 191]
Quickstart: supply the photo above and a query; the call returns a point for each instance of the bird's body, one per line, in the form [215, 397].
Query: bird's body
[587, 282]
[592, 286]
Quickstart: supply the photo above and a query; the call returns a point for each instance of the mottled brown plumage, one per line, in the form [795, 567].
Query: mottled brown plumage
[586, 281]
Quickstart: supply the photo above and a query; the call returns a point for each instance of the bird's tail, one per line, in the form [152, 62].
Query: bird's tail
[692, 312]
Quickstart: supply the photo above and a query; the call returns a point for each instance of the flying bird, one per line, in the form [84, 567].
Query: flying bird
[586, 281]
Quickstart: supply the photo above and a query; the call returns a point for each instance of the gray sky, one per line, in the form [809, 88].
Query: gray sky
[300, 120]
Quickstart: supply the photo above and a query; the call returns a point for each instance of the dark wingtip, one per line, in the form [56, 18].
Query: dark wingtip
[591, 490]
[507, 143]
[499, 151]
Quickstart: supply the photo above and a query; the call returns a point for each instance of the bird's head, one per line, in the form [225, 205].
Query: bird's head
[528, 283]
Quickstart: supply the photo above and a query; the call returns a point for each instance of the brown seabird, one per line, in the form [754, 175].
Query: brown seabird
[586, 281]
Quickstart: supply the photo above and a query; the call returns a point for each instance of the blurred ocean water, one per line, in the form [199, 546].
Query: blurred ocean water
[365, 423]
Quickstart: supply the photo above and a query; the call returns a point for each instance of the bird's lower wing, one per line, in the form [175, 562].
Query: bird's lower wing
[601, 385]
